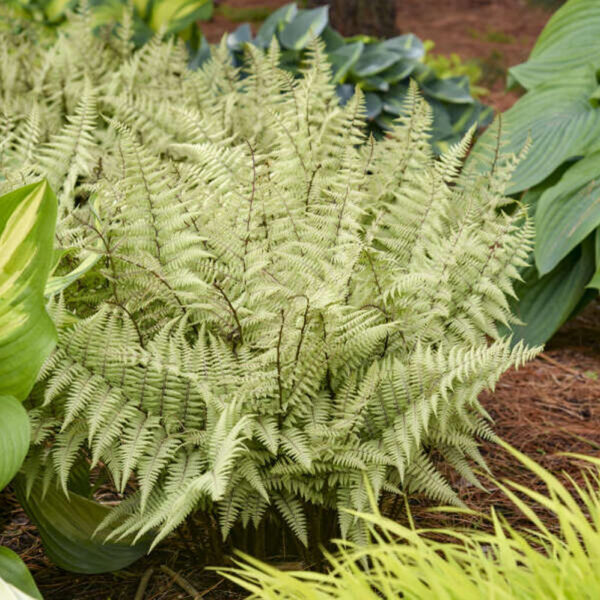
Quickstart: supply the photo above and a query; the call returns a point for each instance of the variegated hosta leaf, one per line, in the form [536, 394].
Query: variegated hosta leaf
[16, 582]
[27, 335]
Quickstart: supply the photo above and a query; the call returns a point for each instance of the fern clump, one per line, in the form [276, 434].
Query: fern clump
[280, 315]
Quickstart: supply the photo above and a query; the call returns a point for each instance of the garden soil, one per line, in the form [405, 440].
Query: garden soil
[548, 407]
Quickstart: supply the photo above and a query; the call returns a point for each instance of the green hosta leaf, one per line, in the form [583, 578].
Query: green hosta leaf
[374, 59]
[14, 437]
[274, 23]
[67, 526]
[57, 284]
[27, 335]
[546, 303]
[558, 118]
[570, 40]
[408, 46]
[595, 282]
[13, 572]
[567, 213]
[306, 26]
[343, 59]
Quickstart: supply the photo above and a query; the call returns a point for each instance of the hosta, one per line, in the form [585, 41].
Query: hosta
[281, 315]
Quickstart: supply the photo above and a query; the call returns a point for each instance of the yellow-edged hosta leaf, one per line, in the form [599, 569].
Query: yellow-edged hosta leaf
[176, 15]
[15, 578]
[27, 335]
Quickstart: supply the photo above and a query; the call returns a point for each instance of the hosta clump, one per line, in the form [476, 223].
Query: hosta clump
[281, 315]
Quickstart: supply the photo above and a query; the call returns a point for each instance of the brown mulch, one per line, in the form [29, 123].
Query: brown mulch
[549, 406]
[497, 34]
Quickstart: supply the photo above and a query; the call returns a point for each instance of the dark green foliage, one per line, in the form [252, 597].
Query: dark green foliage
[560, 115]
[382, 69]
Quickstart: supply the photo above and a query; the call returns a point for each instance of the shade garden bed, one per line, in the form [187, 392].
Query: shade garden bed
[548, 407]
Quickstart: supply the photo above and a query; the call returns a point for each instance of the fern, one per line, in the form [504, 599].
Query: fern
[281, 315]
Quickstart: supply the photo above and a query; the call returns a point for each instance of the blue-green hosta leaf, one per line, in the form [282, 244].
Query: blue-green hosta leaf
[14, 437]
[546, 302]
[558, 118]
[27, 335]
[67, 526]
[373, 104]
[374, 59]
[343, 59]
[237, 39]
[374, 84]
[386, 121]
[394, 100]
[399, 70]
[274, 23]
[201, 55]
[304, 28]
[567, 213]
[463, 116]
[451, 89]
[570, 40]
[13, 572]
[442, 123]
[333, 40]
[408, 46]
[345, 92]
